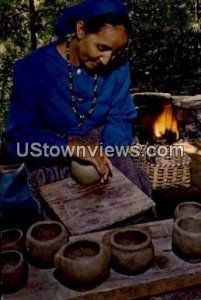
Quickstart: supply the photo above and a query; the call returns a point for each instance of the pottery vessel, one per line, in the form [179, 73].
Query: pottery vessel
[187, 209]
[186, 236]
[84, 173]
[83, 262]
[132, 250]
[43, 240]
[14, 271]
[12, 239]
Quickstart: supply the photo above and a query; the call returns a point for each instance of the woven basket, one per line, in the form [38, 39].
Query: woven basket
[165, 172]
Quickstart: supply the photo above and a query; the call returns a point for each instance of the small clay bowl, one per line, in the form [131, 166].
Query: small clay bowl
[14, 271]
[12, 239]
[132, 250]
[83, 263]
[43, 240]
[84, 173]
[186, 237]
[187, 209]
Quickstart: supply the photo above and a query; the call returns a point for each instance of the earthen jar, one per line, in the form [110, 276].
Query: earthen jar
[14, 271]
[186, 236]
[132, 250]
[187, 209]
[43, 240]
[12, 239]
[83, 262]
[84, 173]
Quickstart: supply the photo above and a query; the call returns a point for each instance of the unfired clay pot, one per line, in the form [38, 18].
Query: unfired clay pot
[187, 209]
[132, 250]
[83, 262]
[43, 240]
[14, 271]
[186, 236]
[84, 173]
[12, 239]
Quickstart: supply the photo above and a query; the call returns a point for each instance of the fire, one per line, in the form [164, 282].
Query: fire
[166, 122]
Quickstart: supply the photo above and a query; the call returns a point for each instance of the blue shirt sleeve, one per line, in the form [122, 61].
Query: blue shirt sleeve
[23, 125]
[119, 122]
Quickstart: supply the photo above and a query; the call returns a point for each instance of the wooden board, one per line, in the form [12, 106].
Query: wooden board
[86, 209]
[168, 273]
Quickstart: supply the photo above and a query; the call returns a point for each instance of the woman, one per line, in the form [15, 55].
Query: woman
[75, 92]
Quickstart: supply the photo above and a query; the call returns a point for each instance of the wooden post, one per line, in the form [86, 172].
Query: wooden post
[32, 13]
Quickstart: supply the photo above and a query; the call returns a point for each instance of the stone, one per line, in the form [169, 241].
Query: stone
[189, 102]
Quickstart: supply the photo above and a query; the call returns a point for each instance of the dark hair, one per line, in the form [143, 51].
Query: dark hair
[94, 24]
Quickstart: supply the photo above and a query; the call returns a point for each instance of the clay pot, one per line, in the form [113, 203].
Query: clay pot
[43, 240]
[12, 239]
[187, 209]
[14, 271]
[132, 250]
[84, 173]
[186, 237]
[83, 262]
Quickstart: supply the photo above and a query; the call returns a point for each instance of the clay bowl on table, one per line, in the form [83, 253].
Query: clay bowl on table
[132, 251]
[187, 208]
[12, 239]
[43, 240]
[83, 263]
[84, 173]
[186, 237]
[14, 271]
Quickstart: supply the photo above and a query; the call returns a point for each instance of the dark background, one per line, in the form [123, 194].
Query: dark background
[164, 49]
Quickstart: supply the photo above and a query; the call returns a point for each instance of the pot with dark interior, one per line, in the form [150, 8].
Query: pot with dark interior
[186, 237]
[132, 250]
[43, 240]
[12, 239]
[83, 263]
[14, 271]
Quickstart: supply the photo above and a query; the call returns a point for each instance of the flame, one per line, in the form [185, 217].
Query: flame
[166, 121]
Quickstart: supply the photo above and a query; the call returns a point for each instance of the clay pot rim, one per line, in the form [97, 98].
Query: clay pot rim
[20, 255]
[188, 203]
[61, 251]
[133, 247]
[12, 229]
[46, 222]
[184, 232]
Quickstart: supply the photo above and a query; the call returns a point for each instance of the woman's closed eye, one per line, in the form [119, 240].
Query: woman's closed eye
[103, 48]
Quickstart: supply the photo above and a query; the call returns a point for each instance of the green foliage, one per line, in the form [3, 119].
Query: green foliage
[164, 48]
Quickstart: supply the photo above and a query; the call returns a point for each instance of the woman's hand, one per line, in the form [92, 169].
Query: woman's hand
[91, 151]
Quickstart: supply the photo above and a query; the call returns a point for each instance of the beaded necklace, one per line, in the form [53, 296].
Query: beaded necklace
[73, 98]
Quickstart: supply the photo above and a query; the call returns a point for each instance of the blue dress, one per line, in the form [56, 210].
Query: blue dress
[41, 110]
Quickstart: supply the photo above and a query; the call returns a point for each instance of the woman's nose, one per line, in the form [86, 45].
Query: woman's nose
[105, 58]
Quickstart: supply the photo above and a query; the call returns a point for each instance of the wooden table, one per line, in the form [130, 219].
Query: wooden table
[91, 208]
[168, 273]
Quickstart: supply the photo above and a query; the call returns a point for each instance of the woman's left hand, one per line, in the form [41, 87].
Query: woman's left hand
[104, 167]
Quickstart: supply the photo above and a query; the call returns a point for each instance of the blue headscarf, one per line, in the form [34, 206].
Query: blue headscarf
[84, 11]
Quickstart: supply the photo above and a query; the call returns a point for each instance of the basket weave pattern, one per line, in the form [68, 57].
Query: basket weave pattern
[165, 172]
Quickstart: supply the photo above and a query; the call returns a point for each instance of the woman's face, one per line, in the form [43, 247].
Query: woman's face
[99, 49]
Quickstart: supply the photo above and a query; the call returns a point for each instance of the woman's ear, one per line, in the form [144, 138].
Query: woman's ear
[80, 29]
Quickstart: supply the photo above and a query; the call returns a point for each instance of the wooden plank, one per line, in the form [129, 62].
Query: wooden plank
[85, 209]
[168, 273]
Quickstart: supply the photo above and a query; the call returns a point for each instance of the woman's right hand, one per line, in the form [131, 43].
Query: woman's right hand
[91, 152]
